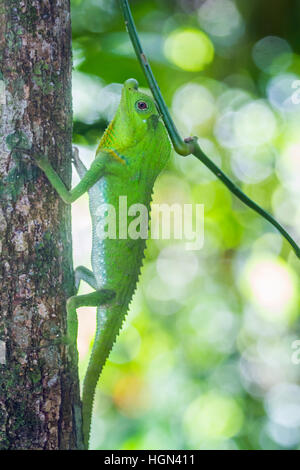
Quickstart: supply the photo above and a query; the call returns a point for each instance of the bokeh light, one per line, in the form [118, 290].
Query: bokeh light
[176, 266]
[193, 105]
[254, 124]
[272, 288]
[213, 417]
[272, 54]
[222, 20]
[190, 49]
[253, 164]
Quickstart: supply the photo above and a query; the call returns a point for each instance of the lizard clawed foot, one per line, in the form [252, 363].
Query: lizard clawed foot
[75, 154]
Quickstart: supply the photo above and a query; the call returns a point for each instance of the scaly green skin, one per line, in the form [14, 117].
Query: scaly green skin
[132, 152]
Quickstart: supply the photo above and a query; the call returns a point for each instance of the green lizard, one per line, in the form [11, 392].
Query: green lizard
[133, 150]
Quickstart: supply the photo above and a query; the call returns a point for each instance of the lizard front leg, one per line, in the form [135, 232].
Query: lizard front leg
[90, 177]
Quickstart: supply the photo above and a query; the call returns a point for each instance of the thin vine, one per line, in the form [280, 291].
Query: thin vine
[190, 146]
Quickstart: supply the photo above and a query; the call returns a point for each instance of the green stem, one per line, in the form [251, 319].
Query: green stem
[179, 145]
[190, 145]
[197, 152]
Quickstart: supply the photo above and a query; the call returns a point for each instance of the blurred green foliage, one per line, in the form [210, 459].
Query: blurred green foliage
[208, 356]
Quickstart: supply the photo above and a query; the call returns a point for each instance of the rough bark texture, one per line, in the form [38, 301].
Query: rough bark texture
[39, 393]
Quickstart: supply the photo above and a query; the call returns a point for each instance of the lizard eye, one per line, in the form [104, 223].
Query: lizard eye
[141, 105]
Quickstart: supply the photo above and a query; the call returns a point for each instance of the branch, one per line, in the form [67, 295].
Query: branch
[190, 145]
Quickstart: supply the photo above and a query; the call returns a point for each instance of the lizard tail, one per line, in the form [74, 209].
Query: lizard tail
[108, 327]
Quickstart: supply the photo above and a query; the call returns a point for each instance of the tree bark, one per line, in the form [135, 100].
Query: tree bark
[39, 392]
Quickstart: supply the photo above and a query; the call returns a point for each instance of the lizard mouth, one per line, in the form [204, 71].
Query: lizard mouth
[152, 121]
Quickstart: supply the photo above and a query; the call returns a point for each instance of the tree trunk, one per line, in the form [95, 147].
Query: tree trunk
[39, 392]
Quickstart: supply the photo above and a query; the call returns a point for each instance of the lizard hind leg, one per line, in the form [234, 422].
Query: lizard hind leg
[80, 167]
[84, 274]
[94, 299]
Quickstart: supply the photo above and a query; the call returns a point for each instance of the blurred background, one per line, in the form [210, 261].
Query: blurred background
[209, 356]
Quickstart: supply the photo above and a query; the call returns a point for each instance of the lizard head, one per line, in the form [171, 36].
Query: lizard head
[138, 111]
[138, 126]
